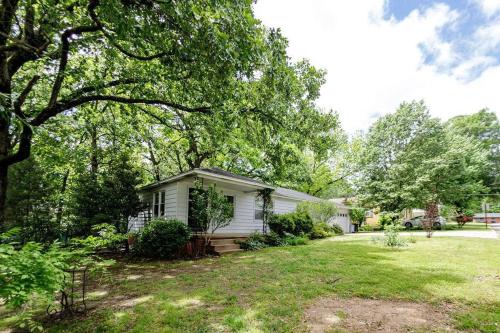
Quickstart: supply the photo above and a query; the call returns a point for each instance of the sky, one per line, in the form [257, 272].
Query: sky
[379, 53]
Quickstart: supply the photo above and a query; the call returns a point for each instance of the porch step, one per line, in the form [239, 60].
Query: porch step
[225, 245]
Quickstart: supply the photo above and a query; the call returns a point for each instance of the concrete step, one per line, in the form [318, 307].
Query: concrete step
[222, 241]
[229, 251]
[218, 248]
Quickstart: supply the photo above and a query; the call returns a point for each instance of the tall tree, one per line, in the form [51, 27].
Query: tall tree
[174, 58]
[484, 127]
[410, 161]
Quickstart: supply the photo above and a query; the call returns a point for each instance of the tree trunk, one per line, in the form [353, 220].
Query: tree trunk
[4, 151]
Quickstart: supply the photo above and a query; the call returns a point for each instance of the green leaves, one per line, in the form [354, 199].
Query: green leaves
[410, 159]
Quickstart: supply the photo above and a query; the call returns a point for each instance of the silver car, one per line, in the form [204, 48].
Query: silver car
[417, 222]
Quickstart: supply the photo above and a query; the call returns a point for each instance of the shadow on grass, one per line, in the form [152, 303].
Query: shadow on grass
[266, 290]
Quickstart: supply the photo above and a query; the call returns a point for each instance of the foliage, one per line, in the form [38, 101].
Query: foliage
[282, 223]
[293, 240]
[369, 227]
[30, 202]
[274, 239]
[337, 229]
[410, 160]
[295, 223]
[357, 215]
[267, 205]
[210, 209]
[387, 218]
[162, 238]
[104, 237]
[483, 127]
[322, 211]
[32, 274]
[108, 197]
[321, 230]
[392, 237]
[255, 241]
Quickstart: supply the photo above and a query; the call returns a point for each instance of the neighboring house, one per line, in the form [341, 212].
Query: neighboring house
[491, 217]
[373, 215]
[170, 198]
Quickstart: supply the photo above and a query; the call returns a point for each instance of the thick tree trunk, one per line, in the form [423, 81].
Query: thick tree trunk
[4, 151]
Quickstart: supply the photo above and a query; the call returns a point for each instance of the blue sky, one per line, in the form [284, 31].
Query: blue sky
[379, 53]
[460, 33]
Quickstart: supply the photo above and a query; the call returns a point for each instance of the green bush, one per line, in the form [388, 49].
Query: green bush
[255, 241]
[321, 230]
[32, 274]
[294, 240]
[369, 227]
[162, 238]
[105, 237]
[303, 223]
[392, 237]
[274, 239]
[282, 223]
[337, 229]
[296, 223]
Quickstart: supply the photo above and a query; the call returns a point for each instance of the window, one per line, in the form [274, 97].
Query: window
[259, 208]
[159, 204]
[230, 199]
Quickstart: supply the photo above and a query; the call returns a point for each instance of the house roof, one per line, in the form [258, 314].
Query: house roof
[223, 174]
[286, 192]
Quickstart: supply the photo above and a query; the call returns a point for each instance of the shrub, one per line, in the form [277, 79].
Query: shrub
[321, 230]
[162, 238]
[294, 240]
[370, 227]
[105, 237]
[255, 241]
[274, 239]
[32, 275]
[392, 237]
[303, 223]
[337, 229]
[296, 223]
[282, 223]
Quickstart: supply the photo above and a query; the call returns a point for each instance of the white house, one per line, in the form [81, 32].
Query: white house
[170, 198]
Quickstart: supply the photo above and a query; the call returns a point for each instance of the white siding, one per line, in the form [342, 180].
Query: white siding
[283, 205]
[182, 200]
[342, 220]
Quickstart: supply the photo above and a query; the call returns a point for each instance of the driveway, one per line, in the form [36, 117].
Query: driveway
[492, 233]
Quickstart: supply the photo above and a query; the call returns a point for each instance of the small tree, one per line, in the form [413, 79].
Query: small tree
[267, 206]
[357, 215]
[320, 212]
[211, 210]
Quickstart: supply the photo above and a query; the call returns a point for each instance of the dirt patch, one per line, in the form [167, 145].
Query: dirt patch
[367, 315]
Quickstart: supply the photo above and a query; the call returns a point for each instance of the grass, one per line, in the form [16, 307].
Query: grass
[269, 290]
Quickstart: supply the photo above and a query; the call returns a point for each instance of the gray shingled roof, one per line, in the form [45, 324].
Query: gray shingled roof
[286, 192]
[281, 191]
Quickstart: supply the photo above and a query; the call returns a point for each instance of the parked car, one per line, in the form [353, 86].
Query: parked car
[417, 222]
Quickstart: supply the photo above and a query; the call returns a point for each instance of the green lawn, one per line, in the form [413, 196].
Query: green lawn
[269, 290]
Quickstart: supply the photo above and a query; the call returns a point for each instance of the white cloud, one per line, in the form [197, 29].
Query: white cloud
[374, 63]
[489, 7]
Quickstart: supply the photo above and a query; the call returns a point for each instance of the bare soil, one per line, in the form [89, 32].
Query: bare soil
[368, 315]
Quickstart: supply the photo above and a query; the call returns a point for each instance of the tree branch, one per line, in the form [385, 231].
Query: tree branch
[63, 106]
[91, 8]
[66, 35]
[24, 149]
[22, 97]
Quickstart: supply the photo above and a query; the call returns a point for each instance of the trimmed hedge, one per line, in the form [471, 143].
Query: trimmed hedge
[296, 223]
[162, 238]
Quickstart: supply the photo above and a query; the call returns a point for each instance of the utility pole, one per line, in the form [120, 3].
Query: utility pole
[486, 206]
